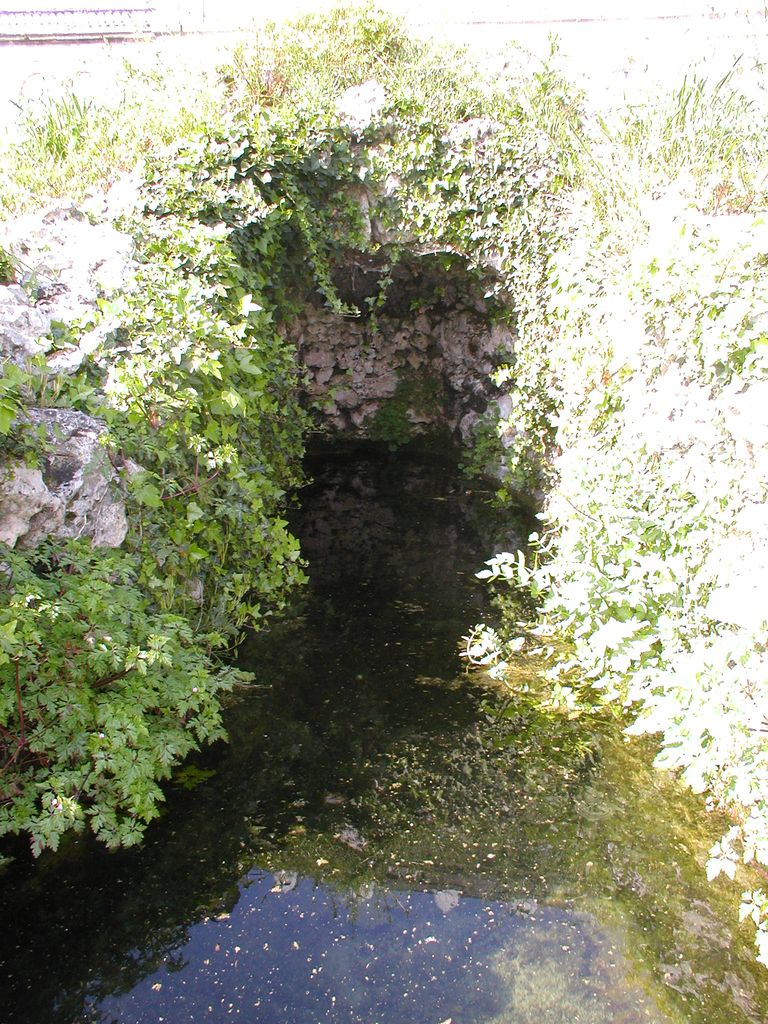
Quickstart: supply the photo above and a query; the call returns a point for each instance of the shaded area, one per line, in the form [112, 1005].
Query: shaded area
[382, 839]
[417, 358]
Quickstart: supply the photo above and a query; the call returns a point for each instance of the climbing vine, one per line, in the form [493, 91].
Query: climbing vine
[113, 663]
[644, 599]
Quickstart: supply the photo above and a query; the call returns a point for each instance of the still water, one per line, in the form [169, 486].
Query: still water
[383, 841]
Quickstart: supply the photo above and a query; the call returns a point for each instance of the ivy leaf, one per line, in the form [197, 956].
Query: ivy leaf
[247, 305]
[232, 399]
[9, 410]
[147, 494]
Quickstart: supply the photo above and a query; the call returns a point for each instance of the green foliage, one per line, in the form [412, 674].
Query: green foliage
[705, 137]
[101, 696]
[246, 214]
[492, 192]
[67, 144]
[200, 395]
[486, 453]
[306, 65]
[60, 126]
[7, 267]
[244, 217]
[659, 336]
[13, 384]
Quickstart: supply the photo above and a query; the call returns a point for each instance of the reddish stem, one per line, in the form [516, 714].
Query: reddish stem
[18, 701]
[106, 680]
[192, 489]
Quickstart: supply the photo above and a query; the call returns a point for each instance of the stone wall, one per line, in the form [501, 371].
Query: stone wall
[57, 266]
[417, 358]
[74, 490]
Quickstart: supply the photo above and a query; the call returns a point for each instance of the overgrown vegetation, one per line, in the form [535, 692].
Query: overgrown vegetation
[653, 387]
[107, 693]
[239, 222]
[619, 305]
[67, 144]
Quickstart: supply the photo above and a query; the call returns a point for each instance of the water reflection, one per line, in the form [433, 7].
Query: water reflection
[299, 954]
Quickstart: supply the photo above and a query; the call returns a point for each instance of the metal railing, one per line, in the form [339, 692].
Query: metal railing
[77, 22]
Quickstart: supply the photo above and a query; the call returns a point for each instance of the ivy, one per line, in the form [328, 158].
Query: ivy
[113, 667]
[657, 334]
[112, 663]
[13, 384]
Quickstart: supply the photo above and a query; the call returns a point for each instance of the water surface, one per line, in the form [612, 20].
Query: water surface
[379, 843]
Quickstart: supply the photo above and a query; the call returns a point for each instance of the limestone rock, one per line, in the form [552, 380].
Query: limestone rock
[359, 105]
[285, 881]
[447, 900]
[435, 357]
[23, 326]
[65, 265]
[74, 493]
[360, 195]
[122, 198]
[350, 837]
[24, 499]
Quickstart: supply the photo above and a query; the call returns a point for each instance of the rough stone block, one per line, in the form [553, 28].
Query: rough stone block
[23, 326]
[75, 492]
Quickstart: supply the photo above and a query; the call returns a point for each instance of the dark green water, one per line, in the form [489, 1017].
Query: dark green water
[375, 846]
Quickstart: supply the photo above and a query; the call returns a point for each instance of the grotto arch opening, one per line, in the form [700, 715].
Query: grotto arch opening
[412, 354]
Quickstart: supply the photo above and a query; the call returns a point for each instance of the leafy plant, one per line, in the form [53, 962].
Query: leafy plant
[7, 267]
[61, 125]
[101, 696]
[656, 335]
[307, 65]
[704, 138]
[243, 219]
[68, 145]
[13, 383]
